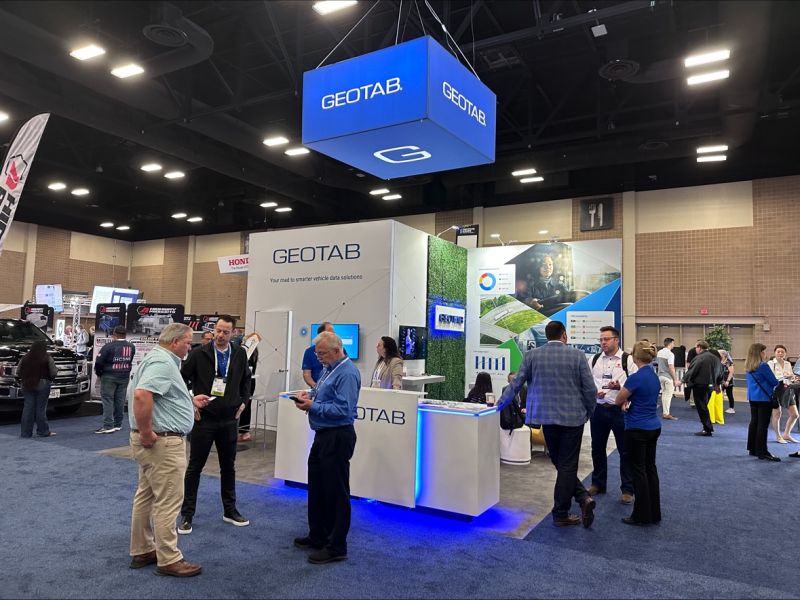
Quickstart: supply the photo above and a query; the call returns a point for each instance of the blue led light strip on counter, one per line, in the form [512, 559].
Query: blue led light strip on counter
[488, 411]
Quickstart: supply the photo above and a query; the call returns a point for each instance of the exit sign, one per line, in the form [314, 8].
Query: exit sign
[703, 311]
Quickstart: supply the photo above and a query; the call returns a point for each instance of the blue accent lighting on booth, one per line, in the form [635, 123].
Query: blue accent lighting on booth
[405, 110]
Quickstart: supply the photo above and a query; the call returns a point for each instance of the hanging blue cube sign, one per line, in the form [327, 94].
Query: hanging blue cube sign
[404, 110]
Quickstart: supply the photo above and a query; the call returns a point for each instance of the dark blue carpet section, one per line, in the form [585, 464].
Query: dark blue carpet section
[66, 517]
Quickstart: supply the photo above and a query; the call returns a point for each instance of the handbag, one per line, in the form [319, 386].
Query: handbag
[775, 397]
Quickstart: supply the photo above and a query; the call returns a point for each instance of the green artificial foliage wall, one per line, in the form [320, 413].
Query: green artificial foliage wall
[447, 284]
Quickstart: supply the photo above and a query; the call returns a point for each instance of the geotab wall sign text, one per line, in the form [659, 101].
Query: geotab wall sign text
[405, 110]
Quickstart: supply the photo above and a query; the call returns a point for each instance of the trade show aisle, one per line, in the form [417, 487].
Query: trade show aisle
[66, 520]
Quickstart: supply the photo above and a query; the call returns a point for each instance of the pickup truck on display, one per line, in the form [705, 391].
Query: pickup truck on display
[71, 385]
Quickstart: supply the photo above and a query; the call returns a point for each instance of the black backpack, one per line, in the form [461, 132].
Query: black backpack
[624, 359]
[511, 416]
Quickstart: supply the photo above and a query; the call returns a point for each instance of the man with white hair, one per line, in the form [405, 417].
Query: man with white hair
[161, 414]
[331, 407]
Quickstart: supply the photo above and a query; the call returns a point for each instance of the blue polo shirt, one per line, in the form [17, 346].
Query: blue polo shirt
[311, 363]
[336, 396]
[644, 387]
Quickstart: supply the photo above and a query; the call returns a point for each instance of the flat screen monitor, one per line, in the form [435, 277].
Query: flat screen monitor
[413, 342]
[112, 295]
[52, 295]
[349, 334]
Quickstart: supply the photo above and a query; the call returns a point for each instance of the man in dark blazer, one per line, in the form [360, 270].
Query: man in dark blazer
[220, 370]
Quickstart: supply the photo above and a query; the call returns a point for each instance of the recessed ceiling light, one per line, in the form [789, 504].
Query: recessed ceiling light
[268, 204]
[326, 7]
[150, 167]
[543, 232]
[706, 77]
[123, 228]
[107, 224]
[706, 58]
[708, 149]
[711, 158]
[531, 179]
[523, 172]
[283, 209]
[128, 70]
[3, 116]
[80, 192]
[392, 197]
[174, 175]
[278, 140]
[194, 219]
[296, 151]
[379, 192]
[87, 52]
[56, 186]
[179, 215]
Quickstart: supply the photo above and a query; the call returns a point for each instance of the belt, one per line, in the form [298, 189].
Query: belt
[606, 405]
[164, 433]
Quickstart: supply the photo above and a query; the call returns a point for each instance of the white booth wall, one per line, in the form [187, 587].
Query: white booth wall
[373, 274]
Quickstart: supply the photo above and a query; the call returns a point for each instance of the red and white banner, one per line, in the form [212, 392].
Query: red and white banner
[234, 264]
[16, 167]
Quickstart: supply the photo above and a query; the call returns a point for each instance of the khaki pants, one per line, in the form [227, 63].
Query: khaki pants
[667, 390]
[158, 498]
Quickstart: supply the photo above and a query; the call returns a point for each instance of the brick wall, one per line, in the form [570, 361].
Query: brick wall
[12, 267]
[213, 291]
[149, 280]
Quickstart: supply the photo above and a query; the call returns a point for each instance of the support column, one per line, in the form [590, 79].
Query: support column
[187, 303]
[30, 262]
[628, 269]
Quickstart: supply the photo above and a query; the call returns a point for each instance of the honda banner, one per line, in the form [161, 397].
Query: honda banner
[16, 167]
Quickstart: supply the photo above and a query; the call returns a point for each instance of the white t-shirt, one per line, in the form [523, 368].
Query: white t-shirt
[665, 359]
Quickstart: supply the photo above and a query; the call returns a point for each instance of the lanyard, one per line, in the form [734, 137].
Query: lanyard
[227, 363]
[328, 373]
[379, 369]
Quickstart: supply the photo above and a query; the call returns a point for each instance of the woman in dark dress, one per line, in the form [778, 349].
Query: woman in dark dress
[639, 399]
[483, 385]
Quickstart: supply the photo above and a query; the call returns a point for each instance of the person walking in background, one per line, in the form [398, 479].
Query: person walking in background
[761, 382]
[37, 371]
[481, 387]
[639, 399]
[388, 372]
[113, 367]
[701, 377]
[562, 397]
[727, 382]
[687, 389]
[782, 369]
[331, 408]
[610, 368]
[161, 414]
[667, 377]
[81, 340]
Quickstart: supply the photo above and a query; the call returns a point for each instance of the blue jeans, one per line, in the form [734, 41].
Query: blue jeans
[112, 392]
[608, 418]
[35, 410]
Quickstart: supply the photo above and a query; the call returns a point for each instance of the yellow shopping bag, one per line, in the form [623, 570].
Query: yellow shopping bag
[715, 408]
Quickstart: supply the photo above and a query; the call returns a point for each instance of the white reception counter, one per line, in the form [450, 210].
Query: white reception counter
[439, 455]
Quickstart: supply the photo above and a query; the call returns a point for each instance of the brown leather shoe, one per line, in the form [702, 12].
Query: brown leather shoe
[180, 569]
[142, 560]
[626, 499]
[594, 490]
[587, 512]
[567, 521]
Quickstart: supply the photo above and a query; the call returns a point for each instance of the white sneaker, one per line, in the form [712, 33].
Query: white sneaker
[730, 411]
[117, 428]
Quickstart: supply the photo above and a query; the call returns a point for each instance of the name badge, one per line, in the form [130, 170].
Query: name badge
[218, 387]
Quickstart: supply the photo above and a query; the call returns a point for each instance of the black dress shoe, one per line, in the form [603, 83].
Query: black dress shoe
[567, 521]
[324, 556]
[306, 543]
[630, 521]
[751, 453]
[795, 454]
[704, 433]
[769, 457]
[587, 512]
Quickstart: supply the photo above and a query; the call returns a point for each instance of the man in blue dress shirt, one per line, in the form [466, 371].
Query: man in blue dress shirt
[312, 367]
[561, 396]
[331, 408]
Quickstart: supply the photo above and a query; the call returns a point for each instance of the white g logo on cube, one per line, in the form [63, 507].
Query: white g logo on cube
[416, 153]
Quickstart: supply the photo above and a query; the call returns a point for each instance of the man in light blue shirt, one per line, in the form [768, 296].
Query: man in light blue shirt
[561, 396]
[331, 408]
[161, 413]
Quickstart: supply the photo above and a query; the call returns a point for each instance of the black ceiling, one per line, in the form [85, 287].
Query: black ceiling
[594, 115]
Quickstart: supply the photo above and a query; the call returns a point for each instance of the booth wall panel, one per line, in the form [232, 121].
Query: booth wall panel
[213, 291]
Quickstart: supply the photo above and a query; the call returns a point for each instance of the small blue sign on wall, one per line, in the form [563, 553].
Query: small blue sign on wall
[404, 110]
